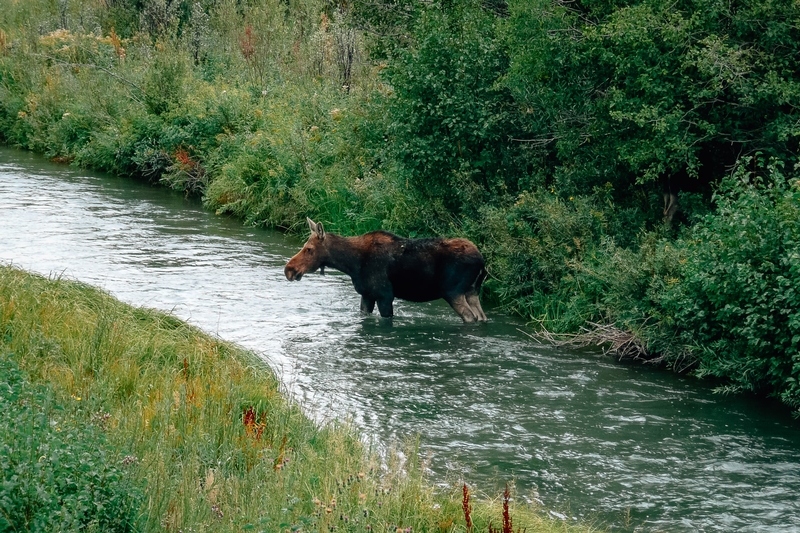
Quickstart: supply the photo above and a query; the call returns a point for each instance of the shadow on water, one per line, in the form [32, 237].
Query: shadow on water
[630, 446]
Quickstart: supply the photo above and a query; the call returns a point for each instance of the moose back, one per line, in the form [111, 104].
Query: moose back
[384, 266]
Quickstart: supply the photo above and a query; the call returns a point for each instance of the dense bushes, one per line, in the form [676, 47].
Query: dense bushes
[449, 122]
[634, 92]
[738, 302]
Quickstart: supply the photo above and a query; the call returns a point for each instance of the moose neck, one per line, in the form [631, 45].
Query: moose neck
[344, 254]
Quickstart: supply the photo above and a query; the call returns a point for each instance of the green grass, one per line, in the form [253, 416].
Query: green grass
[186, 432]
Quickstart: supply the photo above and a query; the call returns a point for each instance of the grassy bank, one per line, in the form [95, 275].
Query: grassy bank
[119, 418]
[542, 133]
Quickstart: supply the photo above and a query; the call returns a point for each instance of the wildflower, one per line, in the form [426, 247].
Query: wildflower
[217, 511]
[328, 510]
[65, 115]
[101, 419]
[129, 460]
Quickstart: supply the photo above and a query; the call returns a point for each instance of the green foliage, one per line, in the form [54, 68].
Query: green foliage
[164, 83]
[534, 248]
[630, 92]
[449, 122]
[58, 474]
[253, 184]
[739, 303]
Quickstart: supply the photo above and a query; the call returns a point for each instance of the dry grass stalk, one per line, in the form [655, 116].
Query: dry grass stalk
[467, 507]
[613, 340]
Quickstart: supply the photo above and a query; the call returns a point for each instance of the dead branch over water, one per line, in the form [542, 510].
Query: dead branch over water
[613, 340]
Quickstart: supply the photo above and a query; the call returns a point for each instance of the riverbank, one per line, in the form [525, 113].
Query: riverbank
[133, 420]
[292, 111]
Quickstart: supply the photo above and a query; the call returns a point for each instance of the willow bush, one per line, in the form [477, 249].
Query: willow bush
[738, 302]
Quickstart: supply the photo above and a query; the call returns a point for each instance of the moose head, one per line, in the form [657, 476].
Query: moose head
[311, 257]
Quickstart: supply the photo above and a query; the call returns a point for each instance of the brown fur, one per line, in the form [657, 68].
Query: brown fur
[384, 266]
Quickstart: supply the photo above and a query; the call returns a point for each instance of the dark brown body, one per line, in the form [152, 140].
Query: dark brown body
[384, 266]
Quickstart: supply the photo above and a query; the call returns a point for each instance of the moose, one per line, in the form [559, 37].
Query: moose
[384, 266]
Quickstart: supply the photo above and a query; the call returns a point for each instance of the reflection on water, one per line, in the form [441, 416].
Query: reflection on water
[588, 437]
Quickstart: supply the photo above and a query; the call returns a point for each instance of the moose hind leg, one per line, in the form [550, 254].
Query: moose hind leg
[475, 304]
[460, 306]
[367, 305]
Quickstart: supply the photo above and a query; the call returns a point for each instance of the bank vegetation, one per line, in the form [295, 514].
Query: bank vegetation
[559, 136]
[120, 418]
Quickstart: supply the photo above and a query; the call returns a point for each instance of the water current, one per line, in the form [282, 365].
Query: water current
[628, 447]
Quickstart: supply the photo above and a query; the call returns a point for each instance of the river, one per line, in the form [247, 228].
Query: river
[621, 445]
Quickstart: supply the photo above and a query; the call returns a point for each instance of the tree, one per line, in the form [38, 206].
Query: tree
[633, 92]
[450, 122]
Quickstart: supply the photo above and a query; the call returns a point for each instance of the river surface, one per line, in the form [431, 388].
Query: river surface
[625, 446]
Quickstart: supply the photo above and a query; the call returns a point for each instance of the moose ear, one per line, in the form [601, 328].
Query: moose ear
[316, 229]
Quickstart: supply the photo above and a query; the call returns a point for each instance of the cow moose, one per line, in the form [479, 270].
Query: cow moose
[384, 266]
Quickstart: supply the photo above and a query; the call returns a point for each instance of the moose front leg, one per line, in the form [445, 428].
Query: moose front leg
[385, 308]
[367, 305]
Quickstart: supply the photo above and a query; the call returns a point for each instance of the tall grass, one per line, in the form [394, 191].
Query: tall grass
[200, 425]
[269, 114]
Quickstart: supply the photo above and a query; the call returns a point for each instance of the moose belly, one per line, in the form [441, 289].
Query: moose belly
[416, 288]
[416, 292]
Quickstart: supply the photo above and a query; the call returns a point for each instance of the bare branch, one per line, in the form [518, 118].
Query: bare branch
[98, 67]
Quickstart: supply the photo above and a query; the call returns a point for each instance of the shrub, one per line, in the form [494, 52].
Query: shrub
[449, 122]
[58, 474]
[534, 249]
[739, 303]
[164, 82]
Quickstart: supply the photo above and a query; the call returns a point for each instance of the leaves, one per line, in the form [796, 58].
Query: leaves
[742, 281]
[645, 90]
[56, 474]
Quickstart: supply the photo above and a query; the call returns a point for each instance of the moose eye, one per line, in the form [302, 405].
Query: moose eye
[308, 250]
